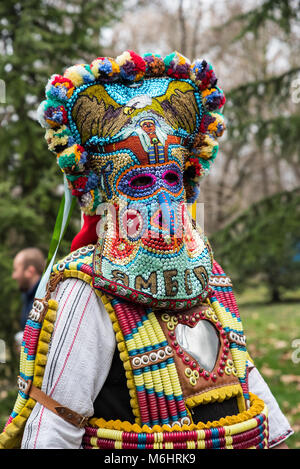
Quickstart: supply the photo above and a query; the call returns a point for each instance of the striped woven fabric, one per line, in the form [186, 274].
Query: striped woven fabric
[158, 390]
[27, 360]
[223, 294]
[248, 434]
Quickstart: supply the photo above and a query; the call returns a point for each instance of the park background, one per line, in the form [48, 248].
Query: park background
[251, 199]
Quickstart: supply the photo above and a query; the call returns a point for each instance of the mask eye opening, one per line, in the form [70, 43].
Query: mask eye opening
[171, 178]
[142, 181]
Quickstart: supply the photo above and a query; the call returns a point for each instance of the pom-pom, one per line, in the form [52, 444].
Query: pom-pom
[105, 68]
[59, 139]
[177, 66]
[213, 124]
[56, 116]
[213, 99]
[79, 74]
[63, 137]
[201, 72]
[132, 66]
[41, 114]
[206, 147]
[218, 126]
[73, 159]
[193, 172]
[52, 114]
[155, 65]
[59, 88]
[83, 183]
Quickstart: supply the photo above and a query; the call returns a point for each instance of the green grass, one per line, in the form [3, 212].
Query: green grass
[271, 330]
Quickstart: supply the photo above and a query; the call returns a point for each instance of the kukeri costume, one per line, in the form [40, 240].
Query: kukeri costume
[137, 341]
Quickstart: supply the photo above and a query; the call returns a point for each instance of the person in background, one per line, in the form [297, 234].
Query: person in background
[28, 267]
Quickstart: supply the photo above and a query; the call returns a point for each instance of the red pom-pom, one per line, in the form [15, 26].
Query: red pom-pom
[139, 62]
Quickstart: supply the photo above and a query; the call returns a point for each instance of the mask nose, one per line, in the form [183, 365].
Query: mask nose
[168, 212]
[168, 181]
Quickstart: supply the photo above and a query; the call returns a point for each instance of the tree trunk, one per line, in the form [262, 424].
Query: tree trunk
[275, 293]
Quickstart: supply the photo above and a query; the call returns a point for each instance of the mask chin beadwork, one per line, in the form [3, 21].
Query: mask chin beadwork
[134, 136]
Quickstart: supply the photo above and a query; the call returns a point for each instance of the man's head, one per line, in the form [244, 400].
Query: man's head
[28, 267]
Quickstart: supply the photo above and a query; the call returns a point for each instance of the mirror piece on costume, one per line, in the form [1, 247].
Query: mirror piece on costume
[201, 342]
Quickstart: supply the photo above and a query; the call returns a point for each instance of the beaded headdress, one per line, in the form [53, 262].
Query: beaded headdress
[139, 133]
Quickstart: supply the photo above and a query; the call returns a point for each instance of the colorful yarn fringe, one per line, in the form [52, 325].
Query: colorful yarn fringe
[249, 433]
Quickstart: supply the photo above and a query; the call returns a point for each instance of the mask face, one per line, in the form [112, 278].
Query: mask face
[137, 138]
[134, 136]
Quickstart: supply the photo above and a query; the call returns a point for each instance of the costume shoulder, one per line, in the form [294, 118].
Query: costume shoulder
[78, 264]
[222, 286]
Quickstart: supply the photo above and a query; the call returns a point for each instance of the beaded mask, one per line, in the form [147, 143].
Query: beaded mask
[134, 136]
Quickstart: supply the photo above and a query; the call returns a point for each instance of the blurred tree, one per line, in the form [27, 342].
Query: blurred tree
[281, 12]
[254, 52]
[37, 39]
[263, 124]
[264, 242]
[263, 116]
